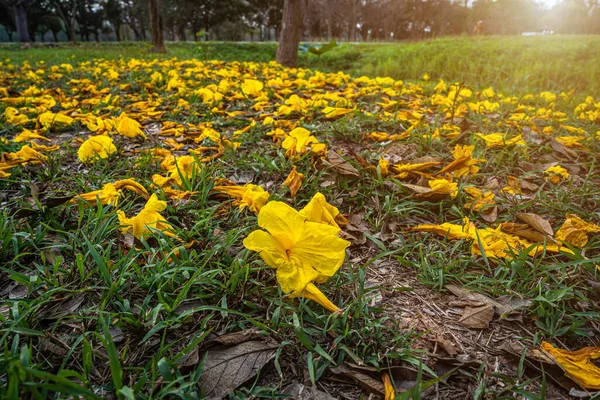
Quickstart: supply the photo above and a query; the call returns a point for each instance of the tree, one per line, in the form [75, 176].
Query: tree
[156, 27]
[17, 10]
[291, 32]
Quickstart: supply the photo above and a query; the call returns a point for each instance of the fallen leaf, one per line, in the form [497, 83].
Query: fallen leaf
[227, 367]
[477, 317]
[341, 166]
[299, 391]
[536, 222]
[363, 379]
[505, 310]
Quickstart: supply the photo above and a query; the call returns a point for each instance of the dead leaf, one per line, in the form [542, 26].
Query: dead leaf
[362, 378]
[508, 309]
[536, 222]
[490, 214]
[227, 367]
[523, 231]
[341, 166]
[477, 317]
[562, 150]
[234, 338]
[447, 345]
[299, 391]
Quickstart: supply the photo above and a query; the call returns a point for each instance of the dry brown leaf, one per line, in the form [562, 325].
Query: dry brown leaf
[490, 214]
[341, 166]
[447, 345]
[505, 309]
[523, 231]
[477, 317]
[536, 222]
[227, 367]
[363, 379]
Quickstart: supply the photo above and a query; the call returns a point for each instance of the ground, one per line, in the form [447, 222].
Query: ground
[468, 203]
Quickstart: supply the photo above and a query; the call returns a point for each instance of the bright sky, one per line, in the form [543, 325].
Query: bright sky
[548, 3]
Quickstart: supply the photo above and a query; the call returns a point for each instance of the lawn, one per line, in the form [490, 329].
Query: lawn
[209, 224]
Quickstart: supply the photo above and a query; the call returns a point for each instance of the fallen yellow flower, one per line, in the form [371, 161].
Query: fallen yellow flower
[96, 147]
[319, 210]
[299, 141]
[574, 231]
[147, 221]
[463, 163]
[556, 174]
[301, 251]
[252, 196]
[578, 365]
[49, 119]
[498, 140]
[294, 181]
[110, 192]
[129, 127]
[334, 112]
[28, 135]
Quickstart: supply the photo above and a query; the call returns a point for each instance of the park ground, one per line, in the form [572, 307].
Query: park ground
[465, 170]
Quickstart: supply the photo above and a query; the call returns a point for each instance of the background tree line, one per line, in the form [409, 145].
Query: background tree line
[352, 20]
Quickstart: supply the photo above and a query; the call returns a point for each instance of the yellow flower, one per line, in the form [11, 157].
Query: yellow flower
[180, 168]
[479, 198]
[334, 112]
[252, 87]
[574, 231]
[110, 192]
[463, 163]
[298, 141]
[556, 174]
[319, 210]
[498, 141]
[301, 251]
[49, 119]
[252, 196]
[444, 186]
[129, 127]
[578, 365]
[96, 146]
[384, 167]
[403, 170]
[294, 181]
[28, 135]
[147, 221]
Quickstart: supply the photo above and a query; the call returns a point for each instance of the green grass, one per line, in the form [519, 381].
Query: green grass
[510, 64]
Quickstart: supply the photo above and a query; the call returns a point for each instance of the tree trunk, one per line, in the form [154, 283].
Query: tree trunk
[117, 25]
[18, 14]
[181, 32]
[291, 32]
[156, 27]
[55, 37]
[69, 23]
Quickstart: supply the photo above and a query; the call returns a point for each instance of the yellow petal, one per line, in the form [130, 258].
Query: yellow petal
[96, 147]
[294, 181]
[313, 293]
[578, 365]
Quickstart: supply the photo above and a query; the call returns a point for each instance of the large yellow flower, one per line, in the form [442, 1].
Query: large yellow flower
[96, 146]
[147, 220]
[301, 251]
